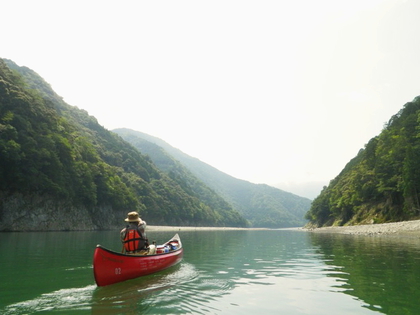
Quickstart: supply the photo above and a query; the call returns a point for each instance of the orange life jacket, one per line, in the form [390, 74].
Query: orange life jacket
[133, 240]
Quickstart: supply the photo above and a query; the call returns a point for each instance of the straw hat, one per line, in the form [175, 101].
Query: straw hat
[132, 217]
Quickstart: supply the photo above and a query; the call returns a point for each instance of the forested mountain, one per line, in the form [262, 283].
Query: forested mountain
[61, 170]
[261, 205]
[382, 183]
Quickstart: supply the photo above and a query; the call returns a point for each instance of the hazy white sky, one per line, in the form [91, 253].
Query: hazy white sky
[275, 92]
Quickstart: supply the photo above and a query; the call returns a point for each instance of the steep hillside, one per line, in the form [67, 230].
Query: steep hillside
[262, 205]
[382, 183]
[61, 170]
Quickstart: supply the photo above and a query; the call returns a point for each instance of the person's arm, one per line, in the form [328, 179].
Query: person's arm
[122, 237]
[142, 230]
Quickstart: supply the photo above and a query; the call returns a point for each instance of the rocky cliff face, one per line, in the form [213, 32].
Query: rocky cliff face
[41, 213]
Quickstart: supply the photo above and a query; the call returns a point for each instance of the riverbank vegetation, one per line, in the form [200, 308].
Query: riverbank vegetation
[382, 183]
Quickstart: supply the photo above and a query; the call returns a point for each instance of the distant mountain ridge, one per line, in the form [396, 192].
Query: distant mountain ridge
[262, 205]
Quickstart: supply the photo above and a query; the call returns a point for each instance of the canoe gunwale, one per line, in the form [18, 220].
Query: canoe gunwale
[136, 256]
[173, 239]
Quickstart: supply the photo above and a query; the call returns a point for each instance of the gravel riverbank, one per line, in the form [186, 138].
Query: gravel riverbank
[404, 228]
[194, 228]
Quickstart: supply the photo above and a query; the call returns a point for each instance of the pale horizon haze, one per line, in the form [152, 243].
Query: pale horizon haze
[277, 92]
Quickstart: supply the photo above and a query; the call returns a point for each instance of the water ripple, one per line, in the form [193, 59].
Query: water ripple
[74, 299]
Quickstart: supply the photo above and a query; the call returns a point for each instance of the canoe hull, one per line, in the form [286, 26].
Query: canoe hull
[110, 267]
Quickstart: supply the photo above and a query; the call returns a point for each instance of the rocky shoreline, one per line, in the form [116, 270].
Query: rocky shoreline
[403, 228]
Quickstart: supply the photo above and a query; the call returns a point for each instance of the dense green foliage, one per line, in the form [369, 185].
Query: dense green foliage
[382, 183]
[261, 205]
[52, 149]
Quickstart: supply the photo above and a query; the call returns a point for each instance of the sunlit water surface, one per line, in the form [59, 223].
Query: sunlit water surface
[223, 272]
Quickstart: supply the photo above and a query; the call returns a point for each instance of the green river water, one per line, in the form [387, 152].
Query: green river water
[223, 272]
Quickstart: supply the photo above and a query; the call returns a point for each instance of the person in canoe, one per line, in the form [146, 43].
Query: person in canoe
[133, 236]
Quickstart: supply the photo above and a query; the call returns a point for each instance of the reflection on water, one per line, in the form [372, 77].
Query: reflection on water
[142, 294]
[223, 272]
[381, 271]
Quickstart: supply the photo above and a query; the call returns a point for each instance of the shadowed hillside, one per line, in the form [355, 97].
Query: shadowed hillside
[61, 170]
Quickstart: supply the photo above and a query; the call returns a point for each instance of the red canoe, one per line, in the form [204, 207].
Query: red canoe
[111, 267]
